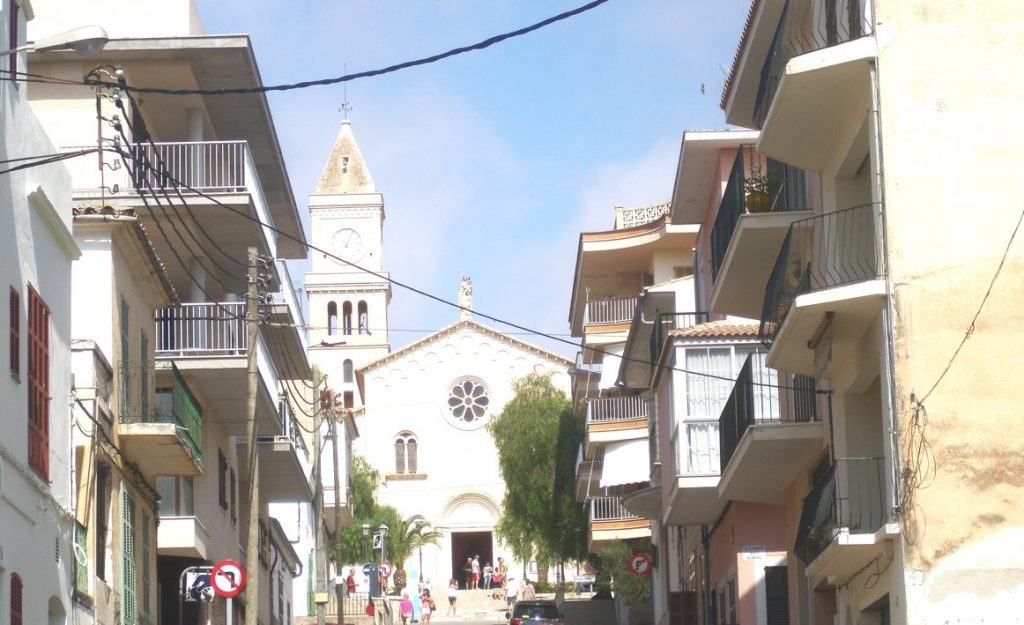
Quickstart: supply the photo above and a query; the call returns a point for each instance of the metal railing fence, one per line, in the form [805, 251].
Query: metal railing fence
[609, 509]
[607, 409]
[611, 310]
[201, 329]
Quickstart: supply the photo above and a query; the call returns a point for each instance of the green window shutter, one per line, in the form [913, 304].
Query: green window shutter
[125, 375]
[129, 608]
[145, 566]
[187, 412]
[144, 375]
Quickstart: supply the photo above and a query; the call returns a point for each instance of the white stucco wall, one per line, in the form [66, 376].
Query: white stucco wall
[120, 18]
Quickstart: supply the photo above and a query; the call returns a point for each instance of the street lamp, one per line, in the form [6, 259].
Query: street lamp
[383, 542]
[87, 39]
[366, 547]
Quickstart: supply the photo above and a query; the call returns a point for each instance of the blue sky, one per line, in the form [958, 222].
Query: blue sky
[491, 163]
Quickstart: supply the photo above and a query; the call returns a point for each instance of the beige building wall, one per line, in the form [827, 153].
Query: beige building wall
[950, 89]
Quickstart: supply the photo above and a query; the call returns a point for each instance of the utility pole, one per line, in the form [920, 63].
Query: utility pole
[339, 591]
[320, 556]
[252, 558]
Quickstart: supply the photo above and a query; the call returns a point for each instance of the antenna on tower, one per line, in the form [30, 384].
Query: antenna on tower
[346, 108]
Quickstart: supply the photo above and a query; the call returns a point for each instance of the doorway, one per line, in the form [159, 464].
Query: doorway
[466, 545]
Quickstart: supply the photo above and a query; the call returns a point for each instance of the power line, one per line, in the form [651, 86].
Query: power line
[47, 160]
[486, 43]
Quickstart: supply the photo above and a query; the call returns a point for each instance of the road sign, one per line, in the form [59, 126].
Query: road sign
[640, 564]
[227, 578]
[378, 541]
[196, 581]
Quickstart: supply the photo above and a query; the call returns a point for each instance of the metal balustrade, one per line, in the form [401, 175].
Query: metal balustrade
[697, 447]
[820, 252]
[201, 329]
[291, 425]
[757, 398]
[849, 497]
[609, 509]
[785, 189]
[827, 23]
[609, 409]
[612, 310]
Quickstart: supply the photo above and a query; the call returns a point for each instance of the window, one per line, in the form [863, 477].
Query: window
[280, 596]
[38, 384]
[16, 599]
[332, 318]
[222, 479]
[125, 389]
[15, 334]
[346, 318]
[144, 374]
[468, 400]
[732, 601]
[348, 375]
[102, 501]
[405, 453]
[349, 399]
[176, 496]
[145, 565]
[234, 497]
[776, 588]
[344, 164]
[129, 581]
[364, 318]
[13, 38]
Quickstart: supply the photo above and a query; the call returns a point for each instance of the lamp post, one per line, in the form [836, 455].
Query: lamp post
[366, 547]
[383, 542]
[87, 39]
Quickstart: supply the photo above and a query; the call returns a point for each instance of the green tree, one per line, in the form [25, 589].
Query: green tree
[612, 567]
[537, 436]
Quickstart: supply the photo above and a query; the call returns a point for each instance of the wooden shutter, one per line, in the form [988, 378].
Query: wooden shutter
[222, 477]
[15, 334]
[144, 375]
[776, 587]
[38, 384]
[145, 566]
[411, 448]
[129, 609]
[399, 456]
[16, 599]
[125, 390]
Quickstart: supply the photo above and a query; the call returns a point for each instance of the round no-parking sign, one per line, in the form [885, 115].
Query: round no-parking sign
[227, 578]
[640, 564]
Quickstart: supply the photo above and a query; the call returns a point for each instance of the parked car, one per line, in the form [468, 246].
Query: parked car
[535, 613]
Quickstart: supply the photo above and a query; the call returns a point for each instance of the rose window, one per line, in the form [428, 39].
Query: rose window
[468, 401]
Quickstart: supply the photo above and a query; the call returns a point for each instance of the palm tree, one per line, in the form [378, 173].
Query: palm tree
[416, 532]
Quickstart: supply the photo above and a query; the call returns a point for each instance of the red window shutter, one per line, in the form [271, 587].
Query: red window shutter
[38, 384]
[15, 334]
[15, 599]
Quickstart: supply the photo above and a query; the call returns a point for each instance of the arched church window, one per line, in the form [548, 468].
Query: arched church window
[364, 318]
[346, 317]
[16, 606]
[405, 453]
[332, 318]
[468, 401]
[346, 370]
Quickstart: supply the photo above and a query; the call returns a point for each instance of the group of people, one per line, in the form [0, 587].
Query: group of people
[426, 607]
[488, 576]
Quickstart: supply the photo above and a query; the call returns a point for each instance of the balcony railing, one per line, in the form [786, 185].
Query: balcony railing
[828, 23]
[615, 310]
[697, 447]
[776, 187]
[609, 509]
[609, 409]
[849, 497]
[820, 252]
[201, 329]
[663, 322]
[292, 428]
[757, 397]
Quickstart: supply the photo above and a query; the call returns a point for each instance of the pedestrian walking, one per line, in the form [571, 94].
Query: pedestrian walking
[511, 590]
[475, 569]
[405, 606]
[488, 575]
[427, 607]
[350, 582]
[453, 595]
[501, 573]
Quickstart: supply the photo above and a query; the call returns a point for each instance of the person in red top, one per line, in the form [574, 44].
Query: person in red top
[350, 582]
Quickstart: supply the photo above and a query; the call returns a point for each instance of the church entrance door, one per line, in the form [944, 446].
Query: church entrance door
[466, 545]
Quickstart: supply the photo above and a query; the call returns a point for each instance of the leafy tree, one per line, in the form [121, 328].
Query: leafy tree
[612, 566]
[536, 436]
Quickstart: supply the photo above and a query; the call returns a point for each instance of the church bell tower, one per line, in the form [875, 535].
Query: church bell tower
[347, 304]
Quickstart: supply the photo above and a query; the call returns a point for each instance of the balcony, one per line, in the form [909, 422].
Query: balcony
[167, 440]
[843, 522]
[694, 497]
[224, 169]
[768, 433]
[285, 467]
[183, 536]
[609, 520]
[610, 311]
[588, 474]
[814, 79]
[762, 198]
[614, 419]
[207, 342]
[827, 279]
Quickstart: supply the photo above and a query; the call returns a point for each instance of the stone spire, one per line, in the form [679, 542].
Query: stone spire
[466, 298]
[345, 171]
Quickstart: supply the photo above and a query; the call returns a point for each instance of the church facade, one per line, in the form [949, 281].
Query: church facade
[421, 410]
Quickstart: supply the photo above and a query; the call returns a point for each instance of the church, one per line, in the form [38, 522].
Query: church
[421, 409]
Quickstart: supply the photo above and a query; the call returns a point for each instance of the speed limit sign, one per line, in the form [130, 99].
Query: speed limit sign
[227, 578]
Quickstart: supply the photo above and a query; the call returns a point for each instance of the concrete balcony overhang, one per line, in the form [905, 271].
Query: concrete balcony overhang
[284, 471]
[588, 475]
[342, 505]
[699, 158]
[739, 287]
[819, 94]
[183, 536]
[159, 448]
[694, 500]
[625, 529]
[645, 503]
[851, 308]
[849, 553]
[767, 459]
[602, 433]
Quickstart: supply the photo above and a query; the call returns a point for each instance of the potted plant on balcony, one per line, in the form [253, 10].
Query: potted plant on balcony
[759, 188]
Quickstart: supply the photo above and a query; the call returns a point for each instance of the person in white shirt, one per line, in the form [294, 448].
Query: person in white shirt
[453, 594]
[511, 590]
[476, 572]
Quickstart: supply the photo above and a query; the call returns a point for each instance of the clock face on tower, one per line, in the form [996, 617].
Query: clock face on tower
[348, 244]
